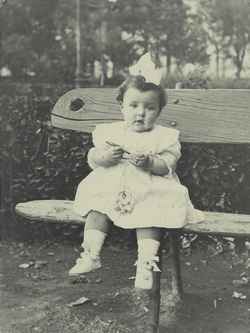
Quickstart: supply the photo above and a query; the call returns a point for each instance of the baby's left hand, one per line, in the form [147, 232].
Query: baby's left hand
[139, 160]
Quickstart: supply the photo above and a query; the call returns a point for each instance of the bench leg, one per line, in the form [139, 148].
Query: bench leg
[154, 298]
[177, 289]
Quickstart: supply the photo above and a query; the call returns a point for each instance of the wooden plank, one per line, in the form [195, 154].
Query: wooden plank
[202, 116]
[58, 211]
[61, 211]
[223, 224]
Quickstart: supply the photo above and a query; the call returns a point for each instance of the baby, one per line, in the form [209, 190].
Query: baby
[133, 183]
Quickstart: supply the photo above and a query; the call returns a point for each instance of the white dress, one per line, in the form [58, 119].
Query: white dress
[150, 200]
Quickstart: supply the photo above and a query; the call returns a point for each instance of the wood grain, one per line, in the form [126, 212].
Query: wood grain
[61, 211]
[223, 224]
[58, 211]
[202, 116]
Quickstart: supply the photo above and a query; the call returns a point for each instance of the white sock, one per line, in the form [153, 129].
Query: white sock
[94, 240]
[147, 248]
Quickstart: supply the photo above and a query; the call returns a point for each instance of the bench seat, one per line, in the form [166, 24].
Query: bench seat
[61, 211]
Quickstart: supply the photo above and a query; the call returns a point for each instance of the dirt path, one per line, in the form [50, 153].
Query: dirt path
[36, 299]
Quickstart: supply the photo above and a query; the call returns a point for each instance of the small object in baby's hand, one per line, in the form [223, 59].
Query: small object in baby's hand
[118, 146]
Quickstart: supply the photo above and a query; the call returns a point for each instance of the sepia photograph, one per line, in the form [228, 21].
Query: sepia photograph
[125, 166]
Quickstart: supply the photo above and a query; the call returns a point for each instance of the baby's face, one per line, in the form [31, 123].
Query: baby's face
[140, 109]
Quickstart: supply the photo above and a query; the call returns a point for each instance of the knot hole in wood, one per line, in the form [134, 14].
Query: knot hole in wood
[76, 104]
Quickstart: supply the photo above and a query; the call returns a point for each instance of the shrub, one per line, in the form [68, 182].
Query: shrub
[38, 161]
[217, 176]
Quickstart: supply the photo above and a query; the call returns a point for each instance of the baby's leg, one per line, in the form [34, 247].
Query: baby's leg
[148, 240]
[95, 232]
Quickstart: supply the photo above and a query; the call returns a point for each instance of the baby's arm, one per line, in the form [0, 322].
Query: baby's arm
[104, 157]
[149, 163]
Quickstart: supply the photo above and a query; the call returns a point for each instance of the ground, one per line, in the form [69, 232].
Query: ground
[36, 296]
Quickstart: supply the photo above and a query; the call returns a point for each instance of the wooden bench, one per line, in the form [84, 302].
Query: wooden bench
[202, 116]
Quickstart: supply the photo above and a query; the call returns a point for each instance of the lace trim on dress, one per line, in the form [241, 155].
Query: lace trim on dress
[90, 158]
[171, 164]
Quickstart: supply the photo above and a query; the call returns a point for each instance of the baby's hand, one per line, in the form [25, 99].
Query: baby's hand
[114, 154]
[139, 160]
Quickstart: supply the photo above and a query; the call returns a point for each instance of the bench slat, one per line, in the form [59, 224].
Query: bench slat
[202, 116]
[60, 211]
[223, 224]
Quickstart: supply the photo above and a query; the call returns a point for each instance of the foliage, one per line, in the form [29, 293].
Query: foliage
[227, 26]
[35, 36]
[39, 38]
[38, 161]
[217, 176]
[198, 78]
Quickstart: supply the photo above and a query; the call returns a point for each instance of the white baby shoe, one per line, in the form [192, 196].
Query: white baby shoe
[87, 263]
[144, 273]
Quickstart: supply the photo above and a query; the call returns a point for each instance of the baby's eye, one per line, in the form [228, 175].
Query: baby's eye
[133, 105]
[150, 107]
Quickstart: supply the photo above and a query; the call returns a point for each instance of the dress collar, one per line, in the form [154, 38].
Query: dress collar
[128, 129]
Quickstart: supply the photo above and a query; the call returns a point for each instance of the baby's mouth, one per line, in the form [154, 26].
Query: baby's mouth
[139, 121]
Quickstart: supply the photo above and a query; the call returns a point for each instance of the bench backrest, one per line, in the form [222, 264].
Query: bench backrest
[202, 116]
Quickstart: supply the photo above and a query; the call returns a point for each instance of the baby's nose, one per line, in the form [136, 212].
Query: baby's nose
[141, 111]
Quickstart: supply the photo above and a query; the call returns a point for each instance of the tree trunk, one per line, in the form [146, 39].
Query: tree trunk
[217, 61]
[240, 54]
[79, 69]
[223, 65]
[168, 57]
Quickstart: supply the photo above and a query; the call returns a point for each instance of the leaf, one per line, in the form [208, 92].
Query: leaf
[10, 142]
[80, 301]
[205, 201]
[16, 159]
[240, 282]
[8, 128]
[39, 188]
[195, 164]
[201, 168]
[79, 279]
[47, 172]
[196, 180]
[194, 173]
[40, 264]
[242, 176]
[24, 266]
[239, 295]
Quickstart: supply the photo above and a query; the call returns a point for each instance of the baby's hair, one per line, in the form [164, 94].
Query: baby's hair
[140, 83]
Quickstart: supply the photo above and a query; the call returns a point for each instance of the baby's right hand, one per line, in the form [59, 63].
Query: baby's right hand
[114, 154]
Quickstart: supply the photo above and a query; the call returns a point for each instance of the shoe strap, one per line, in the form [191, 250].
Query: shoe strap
[149, 263]
[87, 252]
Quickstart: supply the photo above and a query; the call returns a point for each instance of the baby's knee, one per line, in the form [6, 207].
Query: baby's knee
[149, 233]
[97, 216]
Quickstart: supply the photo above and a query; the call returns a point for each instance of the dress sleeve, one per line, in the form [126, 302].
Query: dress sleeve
[169, 150]
[99, 137]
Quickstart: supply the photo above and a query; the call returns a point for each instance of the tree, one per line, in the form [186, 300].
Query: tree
[236, 18]
[28, 36]
[39, 37]
[162, 27]
[228, 29]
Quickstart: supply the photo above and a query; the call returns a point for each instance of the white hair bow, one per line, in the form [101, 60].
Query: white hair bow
[146, 68]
